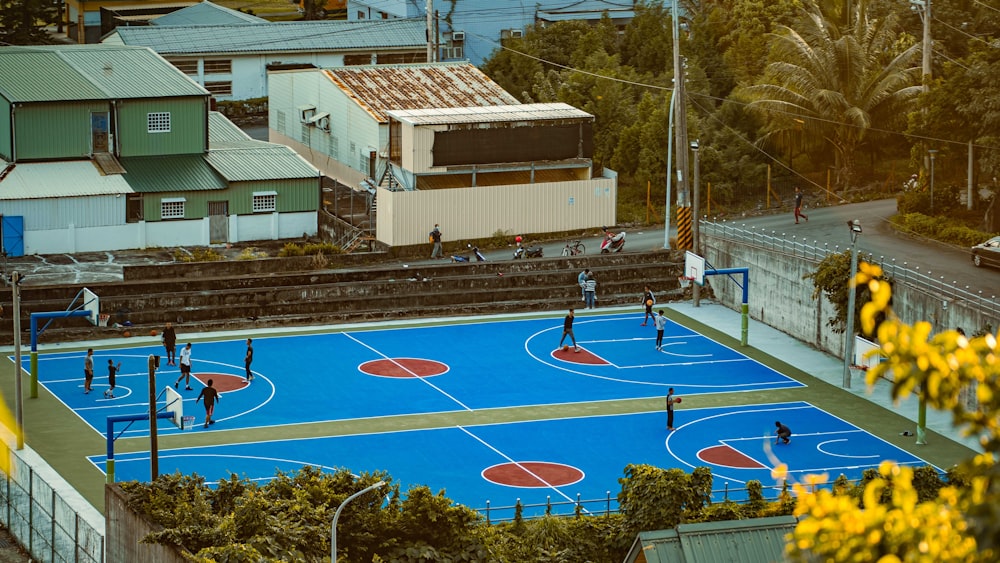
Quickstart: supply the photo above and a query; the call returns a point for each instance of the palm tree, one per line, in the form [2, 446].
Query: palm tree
[835, 84]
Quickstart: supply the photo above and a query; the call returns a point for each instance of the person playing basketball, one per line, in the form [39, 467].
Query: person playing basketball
[661, 324]
[782, 432]
[648, 301]
[568, 331]
[671, 401]
[211, 395]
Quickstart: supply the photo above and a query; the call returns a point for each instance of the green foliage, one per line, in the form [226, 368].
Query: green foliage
[22, 21]
[251, 253]
[832, 279]
[242, 109]
[197, 255]
[653, 498]
[309, 249]
[942, 228]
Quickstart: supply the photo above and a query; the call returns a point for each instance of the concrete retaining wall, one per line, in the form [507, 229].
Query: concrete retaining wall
[781, 298]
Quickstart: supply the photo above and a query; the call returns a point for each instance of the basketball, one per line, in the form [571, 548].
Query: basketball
[649, 302]
[566, 348]
[126, 334]
[152, 332]
[678, 399]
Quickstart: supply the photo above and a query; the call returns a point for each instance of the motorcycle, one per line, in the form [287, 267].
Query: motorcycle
[478, 256]
[613, 242]
[522, 252]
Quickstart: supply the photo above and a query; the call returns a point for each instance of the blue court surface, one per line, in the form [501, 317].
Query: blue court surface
[367, 374]
[562, 459]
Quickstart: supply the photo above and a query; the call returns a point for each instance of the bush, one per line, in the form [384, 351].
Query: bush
[942, 229]
[309, 249]
[197, 255]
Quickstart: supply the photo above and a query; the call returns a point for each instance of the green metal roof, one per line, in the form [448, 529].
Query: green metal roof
[258, 160]
[179, 173]
[46, 73]
[221, 130]
[753, 540]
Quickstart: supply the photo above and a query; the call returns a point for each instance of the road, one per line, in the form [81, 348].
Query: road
[829, 225]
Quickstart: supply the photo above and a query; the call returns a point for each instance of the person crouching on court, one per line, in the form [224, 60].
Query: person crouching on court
[782, 432]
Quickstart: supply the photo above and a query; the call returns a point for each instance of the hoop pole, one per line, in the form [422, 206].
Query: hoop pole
[745, 304]
[111, 420]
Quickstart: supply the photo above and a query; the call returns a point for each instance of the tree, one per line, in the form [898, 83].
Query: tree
[22, 21]
[836, 84]
[890, 522]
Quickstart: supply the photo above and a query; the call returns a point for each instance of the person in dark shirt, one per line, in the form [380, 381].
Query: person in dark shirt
[170, 344]
[782, 432]
[248, 359]
[112, 374]
[211, 395]
[568, 331]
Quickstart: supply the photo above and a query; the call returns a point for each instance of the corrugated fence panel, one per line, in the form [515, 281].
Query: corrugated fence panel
[58, 213]
[406, 217]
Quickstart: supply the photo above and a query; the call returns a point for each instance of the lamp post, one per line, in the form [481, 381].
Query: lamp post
[15, 282]
[695, 288]
[855, 227]
[336, 516]
[932, 152]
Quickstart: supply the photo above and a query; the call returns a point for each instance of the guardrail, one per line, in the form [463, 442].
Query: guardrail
[925, 281]
[44, 522]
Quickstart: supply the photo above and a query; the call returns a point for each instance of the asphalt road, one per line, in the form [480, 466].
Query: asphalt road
[829, 225]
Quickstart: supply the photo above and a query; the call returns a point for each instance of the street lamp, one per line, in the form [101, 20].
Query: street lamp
[336, 516]
[855, 227]
[932, 152]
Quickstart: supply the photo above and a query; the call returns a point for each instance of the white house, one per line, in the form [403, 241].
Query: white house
[231, 60]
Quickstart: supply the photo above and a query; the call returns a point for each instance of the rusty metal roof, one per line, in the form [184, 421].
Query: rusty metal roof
[383, 88]
[491, 114]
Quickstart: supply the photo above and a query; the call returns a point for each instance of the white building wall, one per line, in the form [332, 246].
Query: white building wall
[337, 153]
[194, 232]
[405, 217]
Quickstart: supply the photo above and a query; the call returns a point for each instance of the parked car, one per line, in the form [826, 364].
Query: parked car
[987, 253]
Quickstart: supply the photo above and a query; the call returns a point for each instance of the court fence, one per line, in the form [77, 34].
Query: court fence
[48, 525]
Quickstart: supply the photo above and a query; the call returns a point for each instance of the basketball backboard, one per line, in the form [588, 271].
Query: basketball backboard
[175, 405]
[694, 267]
[92, 303]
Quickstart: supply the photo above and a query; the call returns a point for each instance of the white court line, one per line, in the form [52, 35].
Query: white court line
[523, 468]
[407, 370]
[820, 445]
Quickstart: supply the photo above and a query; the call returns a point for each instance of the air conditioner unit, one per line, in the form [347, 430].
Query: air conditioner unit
[323, 124]
[516, 33]
[306, 112]
[458, 36]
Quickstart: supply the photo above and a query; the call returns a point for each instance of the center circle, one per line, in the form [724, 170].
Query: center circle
[403, 367]
[533, 474]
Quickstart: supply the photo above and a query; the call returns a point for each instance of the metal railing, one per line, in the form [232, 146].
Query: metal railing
[924, 281]
[45, 523]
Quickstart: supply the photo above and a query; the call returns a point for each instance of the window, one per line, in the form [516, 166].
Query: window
[332, 146]
[354, 148]
[281, 121]
[172, 208]
[185, 66]
[218, 66]
[361, 14]
[219, 88]
[133, 208]
[264, 202]
[448, 53]
[158, 122]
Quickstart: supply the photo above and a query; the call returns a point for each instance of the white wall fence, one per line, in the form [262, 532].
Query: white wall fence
[165, 234]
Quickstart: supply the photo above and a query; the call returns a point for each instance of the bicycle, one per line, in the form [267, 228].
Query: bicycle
[574, 248]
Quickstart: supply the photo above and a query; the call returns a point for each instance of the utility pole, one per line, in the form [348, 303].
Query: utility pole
[430, 31]
[15, 281]
[681, 145]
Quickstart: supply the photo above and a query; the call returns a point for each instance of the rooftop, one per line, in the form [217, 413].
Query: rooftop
[206, 13]
[381, 88]
[273, 37]
[74, 178]
[487, 114]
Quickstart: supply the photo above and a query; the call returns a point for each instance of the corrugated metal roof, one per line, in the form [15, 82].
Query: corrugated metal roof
[45, 73]
[754, 540]
[260, 161]
[489, 114]
[220, 129]
[176, 173]
[205, 13]
[381, 88]
[59, 179]
[278, 37]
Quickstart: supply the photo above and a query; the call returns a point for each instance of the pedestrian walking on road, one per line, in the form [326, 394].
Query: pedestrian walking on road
[798, 206]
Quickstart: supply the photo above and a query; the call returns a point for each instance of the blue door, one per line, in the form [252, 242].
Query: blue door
[12, 235]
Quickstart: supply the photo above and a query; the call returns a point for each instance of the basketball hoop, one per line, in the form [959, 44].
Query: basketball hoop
[102, 319]
[187, 422]
[685, 282]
